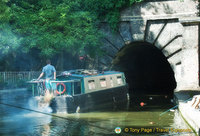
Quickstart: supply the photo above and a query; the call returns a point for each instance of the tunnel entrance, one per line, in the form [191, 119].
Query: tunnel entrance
[146, 68]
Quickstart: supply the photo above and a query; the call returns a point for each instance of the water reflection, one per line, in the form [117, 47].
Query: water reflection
[16, 121]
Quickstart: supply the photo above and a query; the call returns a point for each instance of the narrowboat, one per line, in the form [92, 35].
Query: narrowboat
[86, 90]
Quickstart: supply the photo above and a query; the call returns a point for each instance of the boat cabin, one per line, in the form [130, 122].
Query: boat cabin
[86, 90]
[91, 82]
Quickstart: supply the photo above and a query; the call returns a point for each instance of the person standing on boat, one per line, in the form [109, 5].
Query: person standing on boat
[50, 74]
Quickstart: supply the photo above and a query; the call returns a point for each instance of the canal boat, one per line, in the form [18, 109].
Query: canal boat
[86, 90]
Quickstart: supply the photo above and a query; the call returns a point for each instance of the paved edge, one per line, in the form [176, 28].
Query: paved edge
[180, 99]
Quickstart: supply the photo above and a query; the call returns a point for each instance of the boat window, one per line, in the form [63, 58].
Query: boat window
[119, 80]
[77, 88]
[103, 82]
[111, 82]
[91, 84]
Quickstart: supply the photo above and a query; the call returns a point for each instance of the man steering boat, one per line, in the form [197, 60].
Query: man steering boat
[49, 72]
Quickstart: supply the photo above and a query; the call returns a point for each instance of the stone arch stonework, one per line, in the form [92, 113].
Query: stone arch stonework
[171, 26]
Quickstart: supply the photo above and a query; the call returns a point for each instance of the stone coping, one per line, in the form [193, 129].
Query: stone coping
[191, 116]
[188, 113]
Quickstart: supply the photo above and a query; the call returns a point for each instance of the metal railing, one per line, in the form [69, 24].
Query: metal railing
[13, 77]
[38, 87]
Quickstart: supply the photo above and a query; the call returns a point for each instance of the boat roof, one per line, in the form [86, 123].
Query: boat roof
[89, 73]
[100, 74]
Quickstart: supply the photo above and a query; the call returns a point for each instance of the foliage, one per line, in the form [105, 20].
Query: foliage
[53, 27]
[108, 10]
[4, 12]
[9, 42]
[46, 27]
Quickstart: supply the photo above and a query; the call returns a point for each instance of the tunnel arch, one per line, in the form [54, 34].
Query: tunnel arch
[147, 70]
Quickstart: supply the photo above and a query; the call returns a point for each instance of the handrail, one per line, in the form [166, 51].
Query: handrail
[63, 81]
[41, 81]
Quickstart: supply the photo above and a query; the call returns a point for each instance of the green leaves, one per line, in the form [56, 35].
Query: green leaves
[53, 29]
[4, 12]
[8, 40]
[56, 26]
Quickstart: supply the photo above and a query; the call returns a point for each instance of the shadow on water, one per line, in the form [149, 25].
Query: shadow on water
[150, 103]
[16, 121]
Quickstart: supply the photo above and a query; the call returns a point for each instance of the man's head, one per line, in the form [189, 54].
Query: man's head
[48, 61]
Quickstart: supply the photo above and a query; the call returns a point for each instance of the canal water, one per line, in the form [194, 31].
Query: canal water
[18, 117]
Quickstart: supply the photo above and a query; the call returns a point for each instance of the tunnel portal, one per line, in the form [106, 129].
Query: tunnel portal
[146, 68]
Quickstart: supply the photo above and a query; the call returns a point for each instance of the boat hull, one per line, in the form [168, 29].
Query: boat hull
[104, 100]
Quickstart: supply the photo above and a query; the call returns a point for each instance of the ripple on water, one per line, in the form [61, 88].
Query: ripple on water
[15, 121]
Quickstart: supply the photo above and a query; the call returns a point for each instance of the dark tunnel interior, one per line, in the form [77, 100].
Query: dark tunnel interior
[146, 69]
